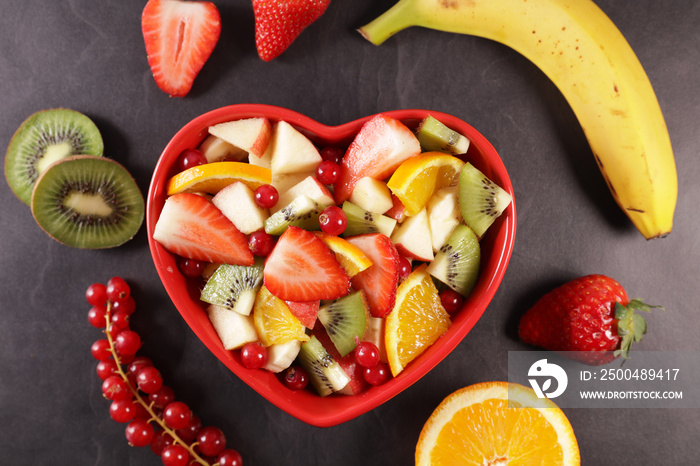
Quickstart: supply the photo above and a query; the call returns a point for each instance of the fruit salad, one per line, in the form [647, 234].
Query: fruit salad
[331, 266]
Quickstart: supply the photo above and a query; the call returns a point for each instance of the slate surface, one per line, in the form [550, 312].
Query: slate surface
[90, 56]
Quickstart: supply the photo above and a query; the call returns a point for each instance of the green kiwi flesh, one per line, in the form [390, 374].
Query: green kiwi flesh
[481, 201]
[44, 138]
[457, 262]
[345, 321]
[361, 221]
[302, 212]
[234, 286]
[433, 135]
[325, 374]
[88, 202]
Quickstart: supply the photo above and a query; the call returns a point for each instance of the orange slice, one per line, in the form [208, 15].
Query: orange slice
[419, 177]
[211, 178]
[351, 258]
[416, 322]
[273, 320]
[497, 423]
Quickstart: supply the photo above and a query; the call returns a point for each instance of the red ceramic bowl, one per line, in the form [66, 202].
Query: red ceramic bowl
[497, 246]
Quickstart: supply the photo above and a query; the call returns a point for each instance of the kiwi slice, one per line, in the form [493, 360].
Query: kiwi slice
[345, 321]
[457, 262]
[88, 202]
[234, 286]
[325, 373]
[302, 212]
[481, 201]
[361, 221]
[44, 138]
[433, 135]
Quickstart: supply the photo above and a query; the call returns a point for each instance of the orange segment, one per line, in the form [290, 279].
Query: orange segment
[497, 423]
[273, 320]
[419, 177]
[351, 258]
[416, 322]
[211, 178]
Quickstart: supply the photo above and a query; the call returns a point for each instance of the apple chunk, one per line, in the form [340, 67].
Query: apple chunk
[237, 202]
[216, 149]
[291, 151]
[310, 187]
[250, 134]
[372, 195]
[412, 238]
[234, 329]
[443, 215]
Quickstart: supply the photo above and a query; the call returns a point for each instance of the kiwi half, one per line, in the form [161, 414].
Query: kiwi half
[457, 262]
[88, 202]
[481, 201]
[234, 286]
[433, 135]
[44, 138]
[345, 321]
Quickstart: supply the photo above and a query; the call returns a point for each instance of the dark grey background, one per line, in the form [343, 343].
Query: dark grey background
[90, 56]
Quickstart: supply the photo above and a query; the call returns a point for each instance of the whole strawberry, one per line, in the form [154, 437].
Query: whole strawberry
[591, 316]
[279, 22]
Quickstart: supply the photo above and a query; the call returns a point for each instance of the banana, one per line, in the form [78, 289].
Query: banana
[586, 56]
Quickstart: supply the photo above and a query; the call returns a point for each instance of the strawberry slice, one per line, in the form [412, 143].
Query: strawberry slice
[377, 150]
[191, 226]
[301, 268]
[380, 280]
[306, 312]
[278, 24]
[179, 36]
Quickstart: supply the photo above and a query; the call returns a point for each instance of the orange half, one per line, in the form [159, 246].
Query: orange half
[273, 320]
[350, 257]
[210, 178]
[497, 423]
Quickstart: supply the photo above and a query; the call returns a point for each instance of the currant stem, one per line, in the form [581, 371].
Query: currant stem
[147, 406]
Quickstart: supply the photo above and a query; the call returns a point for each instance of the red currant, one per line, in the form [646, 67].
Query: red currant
[96, 294]
[266, 196]
[367, 354]
[333, 220]
[404, 268]
[211, 441]
[122, 410]
[189, 432]
[139, 432]
[161, 439]
[163, 397]
[229, 458]
[126, 306]
[174, 455]
[101, 350]
[332, 154]
[191, 158]
[120, 320]
[296, 378]
[253, 355]
[377, 374]
[127, 342]
[96, 316]
[451, 301]
[261, 243]
[327, 172]
[177, 415]
[149, 380]
[117, 289]
[115, 388]
[106, 368]
[135, 366]
[191, 268]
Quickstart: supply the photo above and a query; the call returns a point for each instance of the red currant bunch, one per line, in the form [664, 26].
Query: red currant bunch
[139, 399]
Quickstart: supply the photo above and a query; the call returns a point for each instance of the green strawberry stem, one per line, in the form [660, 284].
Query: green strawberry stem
[399, 17]
[631, 327]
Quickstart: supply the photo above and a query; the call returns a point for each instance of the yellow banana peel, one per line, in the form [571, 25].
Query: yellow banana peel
[586, 56]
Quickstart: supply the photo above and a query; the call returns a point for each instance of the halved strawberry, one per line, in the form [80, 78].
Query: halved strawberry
[191, 226]
[278, 24]
[306, 312]
[301, 268]
[179, 36]
[377, 150]
[380, 280]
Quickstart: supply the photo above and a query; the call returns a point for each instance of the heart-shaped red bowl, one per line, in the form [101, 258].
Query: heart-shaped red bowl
[497, 246]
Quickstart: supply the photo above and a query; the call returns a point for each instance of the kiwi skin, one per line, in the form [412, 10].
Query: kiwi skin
[43, 138]
[110, 188]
